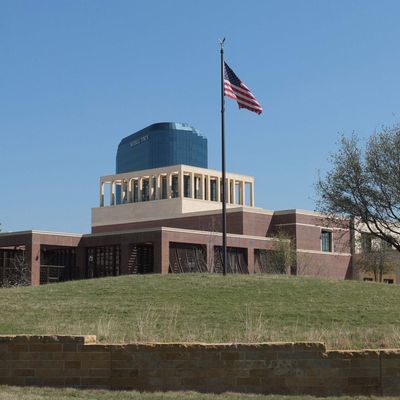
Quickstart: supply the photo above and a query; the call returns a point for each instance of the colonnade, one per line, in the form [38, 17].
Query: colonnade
[159, 185]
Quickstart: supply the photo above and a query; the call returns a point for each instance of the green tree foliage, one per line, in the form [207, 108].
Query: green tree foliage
[364, 183]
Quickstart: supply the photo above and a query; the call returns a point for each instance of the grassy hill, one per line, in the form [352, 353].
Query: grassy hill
[209, 308]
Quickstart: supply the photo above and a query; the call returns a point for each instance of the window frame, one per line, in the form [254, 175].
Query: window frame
[330, 233]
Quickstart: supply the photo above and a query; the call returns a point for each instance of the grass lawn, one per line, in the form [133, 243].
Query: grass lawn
[209, 308]
[15, 393]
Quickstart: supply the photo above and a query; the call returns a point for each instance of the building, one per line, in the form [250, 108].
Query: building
[161, 145]
[167, 219]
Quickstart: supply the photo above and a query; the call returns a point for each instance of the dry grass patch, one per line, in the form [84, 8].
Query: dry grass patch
[30, 393]
[209, 308]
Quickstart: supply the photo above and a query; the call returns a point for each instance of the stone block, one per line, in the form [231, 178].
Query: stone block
[46, 347]
[72, 364]
[175, 356]
[18, 347]
[48, 372]
[364, 373]
[364, 381]
[23, 372]
[67, 347]
[390, 363]
[125, 373]
[3, 348]
[231, 356]
[299, 355]
[256, 355]
[248, 381]
[96, 363]
[98, 372]
[54, 364]
[95, 382]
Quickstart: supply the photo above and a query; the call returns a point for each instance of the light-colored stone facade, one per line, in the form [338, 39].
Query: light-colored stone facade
[199, 185]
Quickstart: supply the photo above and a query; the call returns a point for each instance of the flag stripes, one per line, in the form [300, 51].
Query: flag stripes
[235, 89]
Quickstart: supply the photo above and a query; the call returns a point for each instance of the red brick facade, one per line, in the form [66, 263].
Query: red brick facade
[247, 230]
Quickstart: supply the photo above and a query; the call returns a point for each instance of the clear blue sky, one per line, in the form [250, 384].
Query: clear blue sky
[78, 76]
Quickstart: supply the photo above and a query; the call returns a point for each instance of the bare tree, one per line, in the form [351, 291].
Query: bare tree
[283, 255]
[364, 185]
[212, 228]
[16, 272]
[376, 257]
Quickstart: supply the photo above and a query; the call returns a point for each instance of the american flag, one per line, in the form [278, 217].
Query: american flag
[237, 90]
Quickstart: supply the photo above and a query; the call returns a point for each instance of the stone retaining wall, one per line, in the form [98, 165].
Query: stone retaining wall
[284, 368]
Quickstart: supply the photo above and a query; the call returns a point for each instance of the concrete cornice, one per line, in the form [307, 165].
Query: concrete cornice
[36, 232]
[219, 234]
[180, 230]
[299, 211]
[174, 169]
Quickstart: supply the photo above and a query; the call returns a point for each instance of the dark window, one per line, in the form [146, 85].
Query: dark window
[389, 281]
[164, 193]
[135, 191]
[186, 184]
[174, 184]
[213, 190]
[185, 257]
[326, 241]
[154, 186]
[103, 261]
[236, 260]
[145, 190]
[366, 242]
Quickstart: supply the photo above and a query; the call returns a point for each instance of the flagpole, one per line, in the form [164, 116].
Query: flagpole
[224, 255]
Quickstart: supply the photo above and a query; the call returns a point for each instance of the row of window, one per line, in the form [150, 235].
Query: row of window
[145, 189]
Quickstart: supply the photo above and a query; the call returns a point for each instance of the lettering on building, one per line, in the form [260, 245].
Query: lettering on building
[139, 141]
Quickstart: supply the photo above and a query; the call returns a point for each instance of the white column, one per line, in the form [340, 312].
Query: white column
[218, 188]
[192, 188]
[139, 188]
[202, 187]
[169, 185]
[129, 191]
[150, 187]
[227, 191]
[234, 191]
[112, 194]
[208, 188]
[153, 185]
[101, 194]
[123, 190]
[242, 194]
[158, 187]
[181, 184]
[252, 194]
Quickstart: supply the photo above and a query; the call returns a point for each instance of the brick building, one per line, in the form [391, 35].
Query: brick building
[168, 220]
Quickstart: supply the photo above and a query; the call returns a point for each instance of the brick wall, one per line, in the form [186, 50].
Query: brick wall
[285, 368]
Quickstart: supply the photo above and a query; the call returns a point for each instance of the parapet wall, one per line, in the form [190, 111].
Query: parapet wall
[282, 368]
